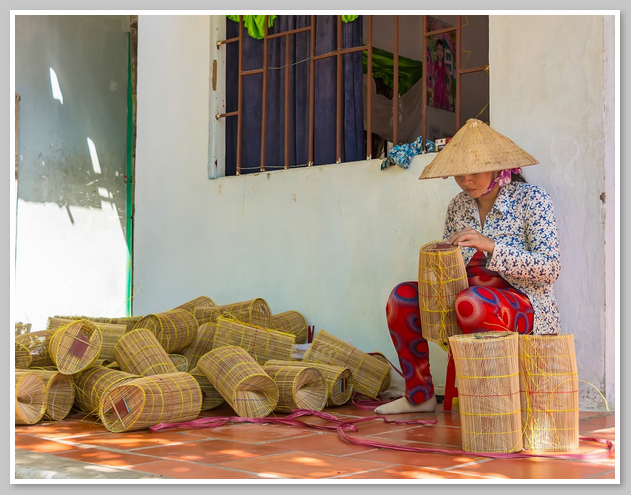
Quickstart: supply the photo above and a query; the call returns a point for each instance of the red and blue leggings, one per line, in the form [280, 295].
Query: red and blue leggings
[489, 303]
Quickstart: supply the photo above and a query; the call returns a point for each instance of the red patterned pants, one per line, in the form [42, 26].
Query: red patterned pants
[488, 304]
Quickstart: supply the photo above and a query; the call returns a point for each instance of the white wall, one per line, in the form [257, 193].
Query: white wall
[548, 93]
[332, 241]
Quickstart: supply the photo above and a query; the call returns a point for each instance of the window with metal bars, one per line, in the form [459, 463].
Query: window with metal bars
[297, 92]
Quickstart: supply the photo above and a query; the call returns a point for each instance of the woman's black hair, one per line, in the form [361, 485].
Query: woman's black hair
[517, 177]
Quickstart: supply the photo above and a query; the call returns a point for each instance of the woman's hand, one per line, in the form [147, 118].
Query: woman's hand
[472, 238]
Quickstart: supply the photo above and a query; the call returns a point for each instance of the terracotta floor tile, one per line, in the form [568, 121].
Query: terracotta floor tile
[597, 423]
[135, 439]
[534, 468]
[250, 432]
[189, 470]
[324, 443]
[62, 429]
[448, 436]
[611, 475]
[42, 446]
[108, 458]
[429, 460]
[411, 472]
[213, 451]
[303, 465]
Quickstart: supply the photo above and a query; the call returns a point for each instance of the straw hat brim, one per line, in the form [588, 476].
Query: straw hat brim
[477, 148]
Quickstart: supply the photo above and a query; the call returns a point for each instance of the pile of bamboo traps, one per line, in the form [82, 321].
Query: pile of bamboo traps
[111, 333]
[291, 322]
[202, 344]
[30, 397]
[442, 275]
[299, 387]
[174, 329]
[487, 371]
[140, 353]
[261, 343]
[180, 361]
[338, 380]
[240, 380]
[201, 301]
[254, 312]
[92, 384]
[128, 321]
[148, 401]
[369, 372]
[75, 346]
[211, 398]
[33, 349]
[381, 357]
[548, 378]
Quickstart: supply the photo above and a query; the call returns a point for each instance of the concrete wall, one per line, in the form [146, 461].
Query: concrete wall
[332, 241]
[71, 251]
[549, 90]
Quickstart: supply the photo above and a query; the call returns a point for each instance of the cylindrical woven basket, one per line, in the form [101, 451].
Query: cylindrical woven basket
[240, 380]
[202, 344]
[369, 373]
[60, 393]
[110, 332]
[549, 392]
[339, 380]
[298, 387]
[255, 312]
[442, 275]
[30, 397]
[127, 321]
[381, 357]
[75, 346]
[261, 343]
[175, 329]
[23, 358]
[291, 322]
[37, 344]
[150, 400]
[180, 361]
[487, 371]
[92, 384]
[211, 397]
[201, 301]
[140, 353]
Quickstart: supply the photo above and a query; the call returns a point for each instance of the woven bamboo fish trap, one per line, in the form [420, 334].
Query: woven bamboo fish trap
[150, 400]
[549, 392]
[180, 361]
[240, 380]
[111, 334]
[175, 329]
[487, 371]
[30, 397]
[60, 394]
[211, 397]
[37, 344]
[75, 346]
[255, 312]
[92, 384]
[386, 383]
[369, 373]
[128, 321]
[291, 322]
[23, 358]
[201, 301]
[140, 353]
[338, 380]
[442, 275]
[261, 343]
[202, 344]
[298, 387]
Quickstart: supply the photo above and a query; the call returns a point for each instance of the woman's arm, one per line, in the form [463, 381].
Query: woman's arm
[541, 264]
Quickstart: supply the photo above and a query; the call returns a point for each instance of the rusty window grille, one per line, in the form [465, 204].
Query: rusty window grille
[338, 53]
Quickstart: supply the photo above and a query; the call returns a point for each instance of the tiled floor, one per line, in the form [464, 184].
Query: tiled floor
[274, 451]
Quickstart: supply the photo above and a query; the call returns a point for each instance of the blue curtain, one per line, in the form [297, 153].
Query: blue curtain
[353, 147]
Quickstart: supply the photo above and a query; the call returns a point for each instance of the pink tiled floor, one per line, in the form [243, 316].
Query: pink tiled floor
[245, 450]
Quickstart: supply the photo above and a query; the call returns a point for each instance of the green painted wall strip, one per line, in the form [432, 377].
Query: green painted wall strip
[130, 188]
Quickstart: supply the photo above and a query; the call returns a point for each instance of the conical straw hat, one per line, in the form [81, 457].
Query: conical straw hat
[476, 148]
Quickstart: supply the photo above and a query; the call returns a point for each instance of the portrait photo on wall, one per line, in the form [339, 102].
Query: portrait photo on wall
[441, 66]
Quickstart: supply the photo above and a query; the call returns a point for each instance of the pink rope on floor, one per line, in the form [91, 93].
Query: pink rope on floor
[342, 426]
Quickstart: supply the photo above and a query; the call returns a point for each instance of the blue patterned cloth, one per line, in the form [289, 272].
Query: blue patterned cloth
[523, 225]
[402, 154]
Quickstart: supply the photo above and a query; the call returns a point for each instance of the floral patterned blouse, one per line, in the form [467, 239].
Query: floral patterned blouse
[523, 225]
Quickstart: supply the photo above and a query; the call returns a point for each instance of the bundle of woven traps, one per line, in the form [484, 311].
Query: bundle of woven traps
[137, 372]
